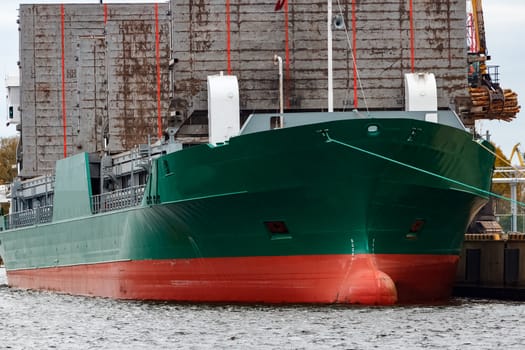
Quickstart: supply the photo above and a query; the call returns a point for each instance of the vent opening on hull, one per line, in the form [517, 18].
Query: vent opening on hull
[277, 230]
[415, 228]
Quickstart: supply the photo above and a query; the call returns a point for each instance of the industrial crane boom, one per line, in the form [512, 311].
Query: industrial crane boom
[516, 151]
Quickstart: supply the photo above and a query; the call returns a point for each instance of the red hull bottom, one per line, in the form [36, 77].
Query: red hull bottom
[361, 279]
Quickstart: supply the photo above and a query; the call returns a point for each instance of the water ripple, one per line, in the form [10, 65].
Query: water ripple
[43, 320]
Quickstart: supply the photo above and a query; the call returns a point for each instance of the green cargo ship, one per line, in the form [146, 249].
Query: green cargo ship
[342, 207]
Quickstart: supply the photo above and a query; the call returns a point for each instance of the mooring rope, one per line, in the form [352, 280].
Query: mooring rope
[456, 182]
[354, 59]
[509, 164]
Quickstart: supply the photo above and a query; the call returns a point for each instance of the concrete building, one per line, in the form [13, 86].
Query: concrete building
[107, 77]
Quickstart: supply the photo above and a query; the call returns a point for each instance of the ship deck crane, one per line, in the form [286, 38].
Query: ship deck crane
[487, 99]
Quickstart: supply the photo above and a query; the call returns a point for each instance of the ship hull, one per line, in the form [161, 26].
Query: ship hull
[284, 216]
[298, 279]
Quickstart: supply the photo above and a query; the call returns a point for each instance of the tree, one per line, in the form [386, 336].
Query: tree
[8, 159]
[7, 165]
[501, 161]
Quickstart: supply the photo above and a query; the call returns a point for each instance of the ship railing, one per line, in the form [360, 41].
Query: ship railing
[29, 217]
[119, 199]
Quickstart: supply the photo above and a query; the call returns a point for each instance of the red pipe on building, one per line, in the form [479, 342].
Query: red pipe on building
[354, 51]
[157, 54]
[228, 38]
[412, 49]
[287, 54]
[64, 126]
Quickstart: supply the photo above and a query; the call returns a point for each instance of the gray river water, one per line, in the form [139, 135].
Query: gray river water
[43, 320]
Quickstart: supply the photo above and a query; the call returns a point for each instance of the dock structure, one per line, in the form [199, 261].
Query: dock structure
[512, 176]
[492, 260]
[492, 266]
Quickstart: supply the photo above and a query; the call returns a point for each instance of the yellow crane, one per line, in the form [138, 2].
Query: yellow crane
[488, 99]
[516, 151]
